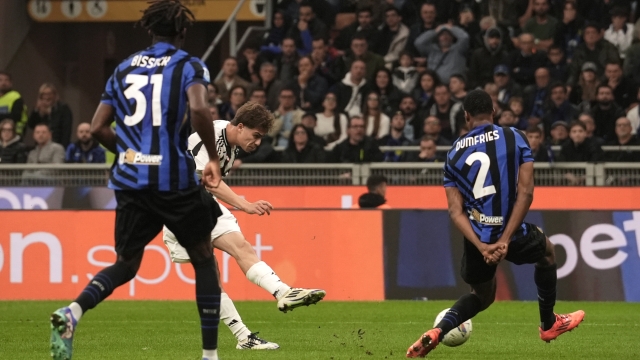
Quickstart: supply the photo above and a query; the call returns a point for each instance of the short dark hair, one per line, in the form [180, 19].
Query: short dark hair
[428, 138]
[287, 88]
[556, 47]
[256, 89]
[532, 129]
[362, 9]
[394, 9]
[310, 114]
[166, 18]
[305, 3]
[359, 36]
[353, 117]
[234, 87]
[577, 123]
[441, 85]
[214, 86]
[478, 102]
[613, 62]
[603, 86]
[254, 116]
[558, 85]
[43, 124]
[459, 77]
[374, 181]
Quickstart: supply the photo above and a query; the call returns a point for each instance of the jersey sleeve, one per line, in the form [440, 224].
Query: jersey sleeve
[523, 148]
[198, 151]
[449, 178]
[196, 72]
[109, 94]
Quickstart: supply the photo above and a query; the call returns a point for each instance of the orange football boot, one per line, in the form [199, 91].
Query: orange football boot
[427, 342]
[564, 323]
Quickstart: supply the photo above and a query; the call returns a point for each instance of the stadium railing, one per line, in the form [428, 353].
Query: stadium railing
[546, 174]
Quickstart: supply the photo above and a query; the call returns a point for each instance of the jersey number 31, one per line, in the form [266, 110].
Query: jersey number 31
[479, 190]
[134, 91]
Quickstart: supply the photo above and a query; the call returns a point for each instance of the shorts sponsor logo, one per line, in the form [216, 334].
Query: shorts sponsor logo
[136, 158]
[486, 219]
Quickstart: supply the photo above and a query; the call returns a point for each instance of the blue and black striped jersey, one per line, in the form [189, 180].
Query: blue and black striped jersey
[484, 166]
[148, 92]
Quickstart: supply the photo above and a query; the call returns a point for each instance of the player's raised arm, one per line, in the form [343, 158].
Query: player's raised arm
[523, 202]
[101, 129]
[202, 121]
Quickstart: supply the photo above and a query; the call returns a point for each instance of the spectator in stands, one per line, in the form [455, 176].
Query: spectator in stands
[309, 87]
[11, 104]
[363, 26]
[620, 33]
[357, 148]
[605, 112]
[428, 13]
[237, 98]
[446, 110]
[405, 76]
[634, 116]
[525, 61]
[324, 61]
[388, 95]
[277, 32]
[413, 123]
[493, 91]
[359, 51]
[433, 128]
[559, 133]
[507, 118]
[445, 49]
[331, 124]
[12, 150]
[579, 148]
[427, 151]
[214, 111]
[584, 92]
[248, 65]
[46, 151]
[539, 151]
[484, 60]
[300, 149]
[557, 64]
[594, 49]
[559, 109]
[310, 121]
[623, 138]
[542, 25]
[51, 111]
[306, 28]
[516, 104]
[507, 88]
[85, 150]
[423, 93]
[258, 95]
[375, 197]
[536, 95]
[623, 88]
[395, 138]
[392, 36]
[352, 89]
[270, 84]
[377, 121]
[466, 20]
[212, 95]
[569, 32]
[458, 87]
[286, 117]
[287, 61]
[590, 125]
[229, 79]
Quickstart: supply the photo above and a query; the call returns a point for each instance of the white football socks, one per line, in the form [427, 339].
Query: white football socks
[262, 275]
[210, 354]
[76, 310]
[229, 315]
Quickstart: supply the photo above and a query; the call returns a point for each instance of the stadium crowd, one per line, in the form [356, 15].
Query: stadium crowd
[346, 77]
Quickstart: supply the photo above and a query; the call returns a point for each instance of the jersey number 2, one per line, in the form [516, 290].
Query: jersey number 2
[479, 190]
[134, 91]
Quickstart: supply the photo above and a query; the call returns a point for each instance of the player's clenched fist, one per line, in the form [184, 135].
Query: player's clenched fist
[211, 176]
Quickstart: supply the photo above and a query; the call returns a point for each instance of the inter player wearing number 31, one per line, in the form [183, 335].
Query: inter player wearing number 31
[488, 177]
[149, 96]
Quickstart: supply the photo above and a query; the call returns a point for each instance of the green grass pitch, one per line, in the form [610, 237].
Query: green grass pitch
[330, 330]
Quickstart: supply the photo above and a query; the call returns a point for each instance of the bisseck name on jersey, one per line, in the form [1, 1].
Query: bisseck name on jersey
[478, 139]
[149, 61]
[133, 157]
[485, 219]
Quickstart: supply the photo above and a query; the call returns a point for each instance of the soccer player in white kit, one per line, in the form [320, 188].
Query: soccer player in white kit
[251, 123]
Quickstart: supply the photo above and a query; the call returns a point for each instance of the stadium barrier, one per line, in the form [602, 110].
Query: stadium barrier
[547, 174]
[355, 255]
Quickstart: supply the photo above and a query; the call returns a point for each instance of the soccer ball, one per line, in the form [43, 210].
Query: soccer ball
[457, 336]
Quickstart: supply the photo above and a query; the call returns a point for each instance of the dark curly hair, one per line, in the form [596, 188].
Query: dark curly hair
[166, 17]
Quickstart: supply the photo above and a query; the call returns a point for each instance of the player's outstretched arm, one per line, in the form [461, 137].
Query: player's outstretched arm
[224, 193]
[522, 204]
[101, 129]
[202, 122]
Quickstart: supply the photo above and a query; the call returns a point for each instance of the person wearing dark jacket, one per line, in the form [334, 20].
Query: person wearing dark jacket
[485, 59]
[306, 28]
[51, 111]
[623, 138]
[525, 61]
[559, 108]
[357, 148]
[594, 49]
[605, 112]
[12, 150]
[579, 148]
[539, 151]
[86, 149]
[375, 197]
[362, 26]
[300, 150]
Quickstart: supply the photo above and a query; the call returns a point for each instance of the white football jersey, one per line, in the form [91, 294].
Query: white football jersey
[226, 153]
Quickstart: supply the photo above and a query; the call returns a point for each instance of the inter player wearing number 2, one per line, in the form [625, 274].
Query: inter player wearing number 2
[488, 177]
[153, 178]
